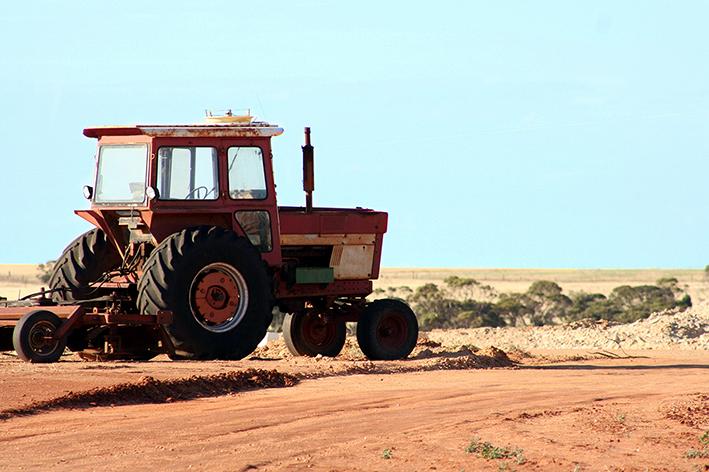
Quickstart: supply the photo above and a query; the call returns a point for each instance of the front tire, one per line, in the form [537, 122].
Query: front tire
[387, 330]
[310, 334]
[217, 288]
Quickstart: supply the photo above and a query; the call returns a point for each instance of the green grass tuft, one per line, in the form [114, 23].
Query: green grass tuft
[489, 451]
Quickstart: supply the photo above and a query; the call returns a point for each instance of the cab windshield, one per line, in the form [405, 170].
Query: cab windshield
[121, 173]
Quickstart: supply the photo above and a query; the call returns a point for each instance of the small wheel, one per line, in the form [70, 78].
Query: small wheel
[387, 330]
[33, 337]
[310, 334]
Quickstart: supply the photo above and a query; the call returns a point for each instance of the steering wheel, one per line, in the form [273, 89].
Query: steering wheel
[194, 193]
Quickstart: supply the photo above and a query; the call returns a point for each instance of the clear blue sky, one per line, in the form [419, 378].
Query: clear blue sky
[496, 134]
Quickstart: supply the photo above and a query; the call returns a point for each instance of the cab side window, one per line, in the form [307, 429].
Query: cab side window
[247, 177]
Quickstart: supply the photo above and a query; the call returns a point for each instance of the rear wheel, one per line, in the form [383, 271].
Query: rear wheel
[387, 330]
[33, 337]
[217, 288]
[310, 334]
[83, 262]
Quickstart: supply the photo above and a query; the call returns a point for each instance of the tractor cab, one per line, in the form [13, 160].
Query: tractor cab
[149, 178]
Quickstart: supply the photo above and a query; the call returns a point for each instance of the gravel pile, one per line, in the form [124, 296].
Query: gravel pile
[668, 329]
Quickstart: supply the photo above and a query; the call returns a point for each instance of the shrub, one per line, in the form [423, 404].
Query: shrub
[515, 307]
[591, 305]
[479, 314]
[45, 271]
[640, 302]
[455, 282]
[543, 303]
[277, 323]
[544, 289]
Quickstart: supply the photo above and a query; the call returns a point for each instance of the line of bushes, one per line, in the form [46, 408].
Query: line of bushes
[466, 303]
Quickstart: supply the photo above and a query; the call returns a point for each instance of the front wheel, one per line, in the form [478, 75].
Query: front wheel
[310, 334]
[387, 330]
[34, 337]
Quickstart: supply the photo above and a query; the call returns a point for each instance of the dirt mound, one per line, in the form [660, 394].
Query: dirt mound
[427, 355]
[151, 390]
[481, 359]
[277, 349]
[443, 360]
[425, 342]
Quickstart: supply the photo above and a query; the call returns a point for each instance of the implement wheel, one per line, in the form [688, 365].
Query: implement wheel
[33, 337]
[217, 288]
[310, 334]
[83, 262]
[387, 330]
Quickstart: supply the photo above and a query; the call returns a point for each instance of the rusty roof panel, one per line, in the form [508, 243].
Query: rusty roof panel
[253, 129]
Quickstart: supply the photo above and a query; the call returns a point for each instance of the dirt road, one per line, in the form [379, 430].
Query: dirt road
[627, 414]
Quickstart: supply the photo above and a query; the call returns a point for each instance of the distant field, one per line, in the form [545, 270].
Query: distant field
[22, 279]
[18, 279]
[571, 280]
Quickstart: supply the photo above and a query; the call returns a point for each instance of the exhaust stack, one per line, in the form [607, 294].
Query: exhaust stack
[308, 172]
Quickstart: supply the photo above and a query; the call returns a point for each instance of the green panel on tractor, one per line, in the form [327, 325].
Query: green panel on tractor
[314, 275]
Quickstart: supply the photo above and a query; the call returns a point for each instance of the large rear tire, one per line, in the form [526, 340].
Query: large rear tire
[83, 262]
[387, 330]
[310, 334]
[217, 288]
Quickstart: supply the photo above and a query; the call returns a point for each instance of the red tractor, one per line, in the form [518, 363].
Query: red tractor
[191, 254]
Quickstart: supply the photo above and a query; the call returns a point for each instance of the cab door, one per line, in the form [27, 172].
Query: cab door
[247, 177]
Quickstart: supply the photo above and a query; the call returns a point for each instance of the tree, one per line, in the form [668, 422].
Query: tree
[45, 271]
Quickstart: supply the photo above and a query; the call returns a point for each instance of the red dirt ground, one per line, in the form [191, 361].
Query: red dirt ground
[641, 413]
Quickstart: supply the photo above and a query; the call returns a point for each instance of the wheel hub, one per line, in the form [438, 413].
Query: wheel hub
[317, 330]
[41, 337]
[391, 331]
[218, 297]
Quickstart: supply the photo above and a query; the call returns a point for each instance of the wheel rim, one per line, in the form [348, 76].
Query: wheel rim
[219, 297]
[392, 330]
[41, 338]
[317, 331]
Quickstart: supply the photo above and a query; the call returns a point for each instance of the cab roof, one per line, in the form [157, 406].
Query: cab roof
[254, 129]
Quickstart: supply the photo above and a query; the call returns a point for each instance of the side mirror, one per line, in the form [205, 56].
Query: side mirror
[88, 192]
[152, 193]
